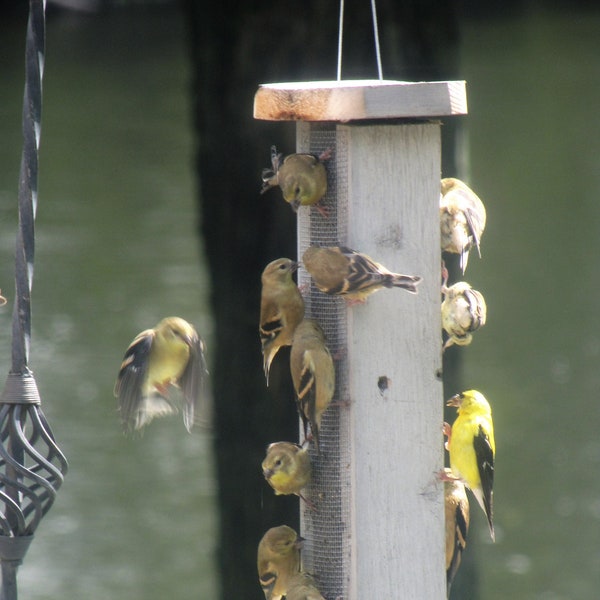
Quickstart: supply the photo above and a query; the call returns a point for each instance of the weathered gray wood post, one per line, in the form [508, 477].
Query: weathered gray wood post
[379, 528]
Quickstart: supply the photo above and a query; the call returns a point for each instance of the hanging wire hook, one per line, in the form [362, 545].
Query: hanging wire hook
[375, 35]
[340, 39]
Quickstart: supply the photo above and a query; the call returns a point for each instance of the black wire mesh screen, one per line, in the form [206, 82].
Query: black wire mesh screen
[326, 551]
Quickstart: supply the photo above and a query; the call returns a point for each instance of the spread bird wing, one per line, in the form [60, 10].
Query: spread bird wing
[131, 380]
[195, 388]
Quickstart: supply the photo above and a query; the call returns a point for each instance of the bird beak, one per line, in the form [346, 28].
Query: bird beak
[267, 473]
[295, 266]
[299, 542]
[295, 204]
[456, 400]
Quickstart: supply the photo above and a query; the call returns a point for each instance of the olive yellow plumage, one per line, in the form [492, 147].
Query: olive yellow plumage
[338, 270]
[456, 511]
[169, 355]
[278, 559]
[301, 177]
[281, 309]
[287, 468]
[302, 586]
[462, 219]
[313, 375]
[472, 448]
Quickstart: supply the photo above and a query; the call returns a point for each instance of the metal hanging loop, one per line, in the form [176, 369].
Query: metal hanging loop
[375, 36]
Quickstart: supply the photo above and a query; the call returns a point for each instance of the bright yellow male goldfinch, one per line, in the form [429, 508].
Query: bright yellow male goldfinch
[171, 355]
[278, 560]
[472, 448]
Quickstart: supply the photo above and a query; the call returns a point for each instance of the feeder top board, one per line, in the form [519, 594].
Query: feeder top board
[349, 100]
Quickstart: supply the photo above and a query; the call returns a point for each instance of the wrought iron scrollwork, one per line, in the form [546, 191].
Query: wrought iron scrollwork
[32, 467]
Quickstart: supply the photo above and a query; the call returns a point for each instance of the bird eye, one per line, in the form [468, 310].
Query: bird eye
[283, 266]
[278, 462]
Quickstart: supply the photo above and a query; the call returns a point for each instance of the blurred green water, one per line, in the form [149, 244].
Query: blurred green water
[116, 251]
[534, 138]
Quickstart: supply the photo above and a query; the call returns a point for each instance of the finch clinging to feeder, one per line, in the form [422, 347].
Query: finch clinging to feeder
[463, 311]
[287, 469]
[456, 512]
[472, 448]
[278, 560]
[301, 177]
[462, 219]
[341, 271]
[313, 375]
[281, 309]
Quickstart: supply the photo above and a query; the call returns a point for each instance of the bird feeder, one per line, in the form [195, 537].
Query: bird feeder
[379, 523]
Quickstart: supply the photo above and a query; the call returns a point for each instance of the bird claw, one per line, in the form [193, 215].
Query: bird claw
[445, 276]
[342, 403]
[354, 301]
[304, 288]
[326, 154]
[443, 475]
[447, 431]
[309, 503]
[275, 158]
[322, 210]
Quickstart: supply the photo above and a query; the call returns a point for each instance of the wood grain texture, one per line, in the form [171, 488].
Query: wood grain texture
[386, 181]
[350, 100]
[397, 506]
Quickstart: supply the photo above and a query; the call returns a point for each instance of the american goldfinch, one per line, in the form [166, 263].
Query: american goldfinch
[281, 309]
[463, 311]
[472, 448]
[171, 354]
[301, 177]
[456, 506]
[462, 219]
[302, 586]
[278, 560]
[287, 469]
[338, 270]
[313, 375]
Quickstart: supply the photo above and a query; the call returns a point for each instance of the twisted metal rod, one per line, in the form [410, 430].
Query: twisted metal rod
[28, 184]
[32, 467]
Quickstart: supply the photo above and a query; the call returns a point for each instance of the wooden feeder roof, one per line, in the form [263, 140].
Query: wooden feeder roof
[349, 100]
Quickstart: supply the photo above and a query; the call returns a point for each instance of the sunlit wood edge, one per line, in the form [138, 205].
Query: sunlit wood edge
[349, 100]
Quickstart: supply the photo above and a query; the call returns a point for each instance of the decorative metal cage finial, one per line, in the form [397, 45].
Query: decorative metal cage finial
[32, 467]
